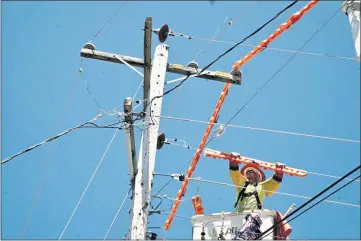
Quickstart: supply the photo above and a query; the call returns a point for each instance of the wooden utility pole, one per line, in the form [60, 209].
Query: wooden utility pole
[141, 173]
[146, 160]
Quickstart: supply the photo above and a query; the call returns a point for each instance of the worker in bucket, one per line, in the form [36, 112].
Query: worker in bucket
[251, 191]
[252, 187]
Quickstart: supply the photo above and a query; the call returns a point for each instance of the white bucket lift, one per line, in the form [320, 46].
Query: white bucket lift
[229, 223]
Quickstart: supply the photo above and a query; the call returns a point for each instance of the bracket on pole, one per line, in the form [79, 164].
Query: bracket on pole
[172, 68]
[130, 141]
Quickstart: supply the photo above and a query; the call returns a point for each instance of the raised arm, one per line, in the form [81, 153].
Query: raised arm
[237, 178]
[272, 184]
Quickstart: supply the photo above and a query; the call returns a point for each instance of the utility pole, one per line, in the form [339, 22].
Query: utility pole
[141, 173]
[146, 161]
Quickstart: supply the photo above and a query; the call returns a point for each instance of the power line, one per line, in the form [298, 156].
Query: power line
[87, 186]
[243, 40]
[201, 180]
[308, 172]
[228, 27]
[279, 70]
[108, 21]
[312, 199]
[226, 52]
[263, 129]
[218, 58]
[62, 134]
[116, 216]
[323, 199]
[51, 151]
[277, 49]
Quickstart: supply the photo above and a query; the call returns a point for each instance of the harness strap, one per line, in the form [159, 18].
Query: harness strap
[240, 194]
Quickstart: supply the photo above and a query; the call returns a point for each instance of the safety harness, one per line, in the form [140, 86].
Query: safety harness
[242, 195]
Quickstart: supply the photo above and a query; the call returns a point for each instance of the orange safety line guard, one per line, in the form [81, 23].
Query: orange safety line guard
[293, 19]
[246, 160]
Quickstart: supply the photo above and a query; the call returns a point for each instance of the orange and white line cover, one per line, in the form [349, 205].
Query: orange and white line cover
[250, 161]
[293, 19]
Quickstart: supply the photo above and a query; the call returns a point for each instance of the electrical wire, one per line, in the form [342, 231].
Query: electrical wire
[283, 66]
[226, 52]
[308, 172]
[109, 20]
[87, 186]
[116, 216]
[265, 130]
[226, 29]
[309, 201]
[62, 134]
[201, 180]
[48, 159]
[243, 40]
[323, 199]
[279, 49]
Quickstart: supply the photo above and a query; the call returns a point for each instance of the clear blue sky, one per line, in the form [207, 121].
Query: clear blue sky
[41, 43]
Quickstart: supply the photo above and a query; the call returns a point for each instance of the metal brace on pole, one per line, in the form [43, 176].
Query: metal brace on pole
[147, 154]
[130, 140]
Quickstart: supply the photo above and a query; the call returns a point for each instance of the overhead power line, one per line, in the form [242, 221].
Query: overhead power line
[83, 125]
[263, 129]
[116, 215]
[210, 64]
[308, 202]
[87, 186]
[48, 159]
[225, 53]
[279, 193]
[108, 21]
[315, 204]
[283, 66]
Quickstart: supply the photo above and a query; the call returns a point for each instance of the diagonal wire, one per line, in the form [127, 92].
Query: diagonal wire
[315, 204]
[87, 186]
[48, 159]
[226, 52]
[283, 66]
[116, 216]
[109, 20]
[225, 30]
[309, 201]
[49, 140]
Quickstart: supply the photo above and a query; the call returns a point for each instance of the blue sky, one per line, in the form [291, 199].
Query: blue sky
[41, 43]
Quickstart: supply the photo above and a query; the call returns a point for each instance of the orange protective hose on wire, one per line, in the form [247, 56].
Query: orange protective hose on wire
[294, 18]
[197, 155]
[283, 27]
